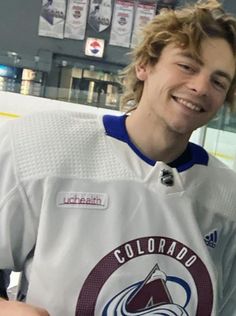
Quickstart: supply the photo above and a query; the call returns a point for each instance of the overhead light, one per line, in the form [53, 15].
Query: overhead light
[12, 54]
[36, 58]
[64, 63]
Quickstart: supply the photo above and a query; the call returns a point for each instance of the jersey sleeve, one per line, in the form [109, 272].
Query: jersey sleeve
[17, 227]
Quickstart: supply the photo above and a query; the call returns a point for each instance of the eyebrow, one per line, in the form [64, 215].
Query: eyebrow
[220, 73]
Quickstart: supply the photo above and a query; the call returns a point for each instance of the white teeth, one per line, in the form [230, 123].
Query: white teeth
[189, 105]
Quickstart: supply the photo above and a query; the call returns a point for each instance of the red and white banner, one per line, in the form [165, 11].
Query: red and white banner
[76, 17]
[145, 12]
[122, 23]
[52, 18]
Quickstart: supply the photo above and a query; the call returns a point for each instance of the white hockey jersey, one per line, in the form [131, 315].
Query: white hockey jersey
[99, 229]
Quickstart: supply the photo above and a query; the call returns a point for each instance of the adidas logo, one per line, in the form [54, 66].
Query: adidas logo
[211, 239]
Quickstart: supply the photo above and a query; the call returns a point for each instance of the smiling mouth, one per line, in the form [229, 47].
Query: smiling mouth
[192, 106]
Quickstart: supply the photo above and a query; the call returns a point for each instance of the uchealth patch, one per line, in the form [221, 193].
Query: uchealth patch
[91, 200]
[174, 281]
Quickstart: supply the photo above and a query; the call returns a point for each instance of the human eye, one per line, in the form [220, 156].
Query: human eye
[186, 67]
[220, 84]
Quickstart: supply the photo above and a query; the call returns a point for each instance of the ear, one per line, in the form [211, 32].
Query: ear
[141, 71]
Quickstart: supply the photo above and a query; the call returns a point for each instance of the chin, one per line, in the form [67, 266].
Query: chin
[182, 129]
[186, 125]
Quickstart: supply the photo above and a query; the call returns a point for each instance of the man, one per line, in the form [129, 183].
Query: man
[121, 215]
[94, 18]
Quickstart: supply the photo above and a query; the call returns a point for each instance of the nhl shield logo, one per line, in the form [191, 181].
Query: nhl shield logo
[100, 14]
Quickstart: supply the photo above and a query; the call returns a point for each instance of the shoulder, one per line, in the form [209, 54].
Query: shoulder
[42, 142]
[213, 172]
[53, 117]
[205, 166]
[220, 170]
[42, 126]
[213, 186]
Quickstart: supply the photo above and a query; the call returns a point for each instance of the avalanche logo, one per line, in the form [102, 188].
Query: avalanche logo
[177, 284]
[94, 47]
[149, 297]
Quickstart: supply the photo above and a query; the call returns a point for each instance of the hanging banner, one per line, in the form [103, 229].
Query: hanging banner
[76, 17]
[100, 14]
[145, 12]
[122, 23]
[52, 18]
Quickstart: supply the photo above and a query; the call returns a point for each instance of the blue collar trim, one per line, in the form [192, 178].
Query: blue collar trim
[194, 154]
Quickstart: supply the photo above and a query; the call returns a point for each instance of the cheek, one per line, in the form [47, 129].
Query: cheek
[161, 85]
[218, 102]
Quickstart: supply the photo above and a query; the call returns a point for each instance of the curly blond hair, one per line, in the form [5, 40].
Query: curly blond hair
[186, 27]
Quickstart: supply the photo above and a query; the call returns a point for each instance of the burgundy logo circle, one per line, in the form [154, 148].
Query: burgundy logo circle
[145, 246]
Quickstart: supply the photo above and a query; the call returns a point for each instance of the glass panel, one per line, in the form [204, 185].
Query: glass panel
[220, 137]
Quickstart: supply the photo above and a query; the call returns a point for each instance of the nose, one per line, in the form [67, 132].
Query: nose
[199, 84]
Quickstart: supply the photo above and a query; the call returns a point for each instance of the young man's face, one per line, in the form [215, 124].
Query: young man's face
[184, 93]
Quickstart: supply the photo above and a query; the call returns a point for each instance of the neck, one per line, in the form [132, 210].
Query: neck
[154, 139]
